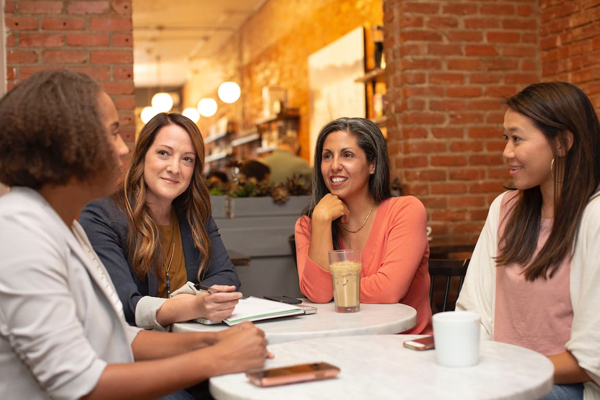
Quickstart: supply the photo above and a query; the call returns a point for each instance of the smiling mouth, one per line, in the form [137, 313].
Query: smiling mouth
[338, 180]
[171, 181]
[514, 170]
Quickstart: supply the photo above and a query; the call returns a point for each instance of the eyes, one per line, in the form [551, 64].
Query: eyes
[164, 154]
[514, 138]
[346, 154]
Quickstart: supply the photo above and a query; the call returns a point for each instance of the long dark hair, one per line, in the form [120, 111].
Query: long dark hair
[370, 139]
[557, 109]
[144, 235]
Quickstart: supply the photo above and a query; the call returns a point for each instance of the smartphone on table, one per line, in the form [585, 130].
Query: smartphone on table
[284, 299]
[292, 374]
[426, 343]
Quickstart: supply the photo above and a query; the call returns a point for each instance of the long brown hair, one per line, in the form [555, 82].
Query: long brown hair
[144, 235]
[557, 109]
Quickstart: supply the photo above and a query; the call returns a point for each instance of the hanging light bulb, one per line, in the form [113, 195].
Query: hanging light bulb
[148, 113]
[229, 92]
[207, 107]
[192, 113]
[163, 102]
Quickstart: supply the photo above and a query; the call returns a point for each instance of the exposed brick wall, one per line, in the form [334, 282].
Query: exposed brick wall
[449, 64]
[93, 37]
[570, 44]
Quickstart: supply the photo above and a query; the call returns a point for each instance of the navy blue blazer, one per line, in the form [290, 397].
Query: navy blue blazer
[106, 227]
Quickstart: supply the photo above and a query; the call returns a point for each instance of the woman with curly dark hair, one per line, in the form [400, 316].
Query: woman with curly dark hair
[156, 235]
[64, 334]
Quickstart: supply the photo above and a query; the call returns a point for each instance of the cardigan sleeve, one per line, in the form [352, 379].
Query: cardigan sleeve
[479, 288]
[100, 221]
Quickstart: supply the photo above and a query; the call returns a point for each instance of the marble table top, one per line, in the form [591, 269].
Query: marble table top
[372, 319]
[379, 367]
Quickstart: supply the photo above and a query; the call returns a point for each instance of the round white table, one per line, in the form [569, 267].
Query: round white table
[379, 367]
[372, 319]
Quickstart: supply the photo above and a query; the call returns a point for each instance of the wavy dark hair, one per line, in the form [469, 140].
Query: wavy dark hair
[144, 235]
[370, 139]
[52, 132]
[557, 109]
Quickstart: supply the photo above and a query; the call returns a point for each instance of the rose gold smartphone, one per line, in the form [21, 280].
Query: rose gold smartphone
[292, 374]
[425, 343]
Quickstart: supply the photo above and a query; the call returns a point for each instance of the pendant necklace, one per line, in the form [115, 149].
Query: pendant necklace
[170, 263]
[363, 224]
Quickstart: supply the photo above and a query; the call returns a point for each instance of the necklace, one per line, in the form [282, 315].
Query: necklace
[363, 224]
[169, 268]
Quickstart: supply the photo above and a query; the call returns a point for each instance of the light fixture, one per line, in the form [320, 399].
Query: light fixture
[229, 92]
[162, 102]
[207, 107]
[192, 113]
[148, 113]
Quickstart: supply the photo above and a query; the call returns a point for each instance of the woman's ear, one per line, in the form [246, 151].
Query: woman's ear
[372, 168]
[564, 143]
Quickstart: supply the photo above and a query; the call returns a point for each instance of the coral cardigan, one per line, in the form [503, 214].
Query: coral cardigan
[394, 261]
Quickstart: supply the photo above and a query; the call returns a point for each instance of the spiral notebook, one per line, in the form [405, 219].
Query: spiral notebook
[256, 309]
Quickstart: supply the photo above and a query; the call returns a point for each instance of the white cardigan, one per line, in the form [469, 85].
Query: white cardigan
[61, 321]
[478, 292]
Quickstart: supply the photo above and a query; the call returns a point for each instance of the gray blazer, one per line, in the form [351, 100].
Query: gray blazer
[106, 227]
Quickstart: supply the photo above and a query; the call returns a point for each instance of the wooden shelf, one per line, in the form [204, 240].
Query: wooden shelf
[245, 139]
[213, 138]
[290, 113]
[215, 157]
[377, 75]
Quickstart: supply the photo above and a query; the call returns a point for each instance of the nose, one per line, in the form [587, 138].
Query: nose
[122, 149]
[336, 164]
[173, 166]
[508, 152]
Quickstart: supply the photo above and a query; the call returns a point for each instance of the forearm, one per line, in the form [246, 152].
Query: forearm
[320, 243]
[567, 369]
[150, 345]
[177, 309]
[155, 379]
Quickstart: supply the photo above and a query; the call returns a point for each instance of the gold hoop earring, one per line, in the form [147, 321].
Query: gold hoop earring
[552, 167]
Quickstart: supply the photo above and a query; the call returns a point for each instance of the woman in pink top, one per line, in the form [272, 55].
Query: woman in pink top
[534, 276]
[352, 207]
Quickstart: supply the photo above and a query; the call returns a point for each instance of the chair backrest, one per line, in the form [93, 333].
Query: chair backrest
[447, 269]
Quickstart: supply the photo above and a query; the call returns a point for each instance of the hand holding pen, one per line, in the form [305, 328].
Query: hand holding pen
[217, 302]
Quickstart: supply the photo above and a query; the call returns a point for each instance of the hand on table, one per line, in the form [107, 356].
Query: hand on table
[241, 348]
[217, 306]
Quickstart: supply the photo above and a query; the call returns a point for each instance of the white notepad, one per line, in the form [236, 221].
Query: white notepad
[256, 309]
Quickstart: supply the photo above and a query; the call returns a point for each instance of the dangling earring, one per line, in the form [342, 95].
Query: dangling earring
[552, 167]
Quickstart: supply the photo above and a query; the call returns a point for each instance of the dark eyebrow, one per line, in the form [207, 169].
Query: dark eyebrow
[347, 148]
[115, 124]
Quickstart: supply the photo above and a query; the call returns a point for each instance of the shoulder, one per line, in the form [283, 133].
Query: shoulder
[104, 208]
[397, 205]
[303, 223]
[591, 214]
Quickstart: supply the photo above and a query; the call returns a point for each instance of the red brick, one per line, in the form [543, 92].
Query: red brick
[496, 145]
[529, 38]
[448, 215]
[480, 50]
[485, 187]
[469, 146]
[124, 103]
[549, 43]
[10, 40]
[126, 118]
[484, 78]
[448, 188]
[479, 23]
[21, 57]
[466, 118]
[414, 161]
[413, 49]
[525, 11]
[501, 64]
[122, 40]
[486, 159]
[9, 7]
[495, 118]
[110, 24]
[21, 23]
[484, 105]
[25, 72]
[88, 7]
[520, 24]
[460, 9]
[413, 133]
[125, 87]
[434, 202]
[111, 57]
[41, 39]
[122, 7]
[40, 7]
[463, 91]
[465, 36]
[128, 135]
[444, 49]
[10, 86]
[448, 161]
[10, 73]
[467, 201]
[413, 78]
[463, 228]
[422, 118]
[495, 9]
[498, 173]
[468, 174]
[64, 56]
[66, 24]
[519, 51]
[420, 64]
[412, 91]
[521, 78]
[425, 36]
[442, 22]
[420, 8]
[122, 73]
[416, 190]
[411, 22]
[98, 73]
[500, 91]
[478, 215]
[446, 105]
[426, 175]
[413, 105]
[446, 78]
[88, 40]
[502, 37]
[464, 64]
[424, 147]
[448, 132]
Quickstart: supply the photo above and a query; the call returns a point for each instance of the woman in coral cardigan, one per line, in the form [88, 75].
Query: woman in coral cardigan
[352, 207]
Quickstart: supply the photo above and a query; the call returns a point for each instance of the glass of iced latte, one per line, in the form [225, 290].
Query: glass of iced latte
[344, 266]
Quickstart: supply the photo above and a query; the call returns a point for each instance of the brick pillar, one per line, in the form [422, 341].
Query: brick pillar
[570, 44]
[93, 37]
[449, 64]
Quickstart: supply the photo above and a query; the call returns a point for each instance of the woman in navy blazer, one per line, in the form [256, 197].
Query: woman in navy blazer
[156, 233]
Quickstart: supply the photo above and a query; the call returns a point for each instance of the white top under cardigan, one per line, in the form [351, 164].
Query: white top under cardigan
[61, 321]
[478, 292]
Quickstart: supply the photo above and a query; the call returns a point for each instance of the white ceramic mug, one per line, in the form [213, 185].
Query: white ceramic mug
[456, 336]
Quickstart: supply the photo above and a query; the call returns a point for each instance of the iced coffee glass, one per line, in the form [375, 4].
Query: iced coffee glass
[344, 266]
